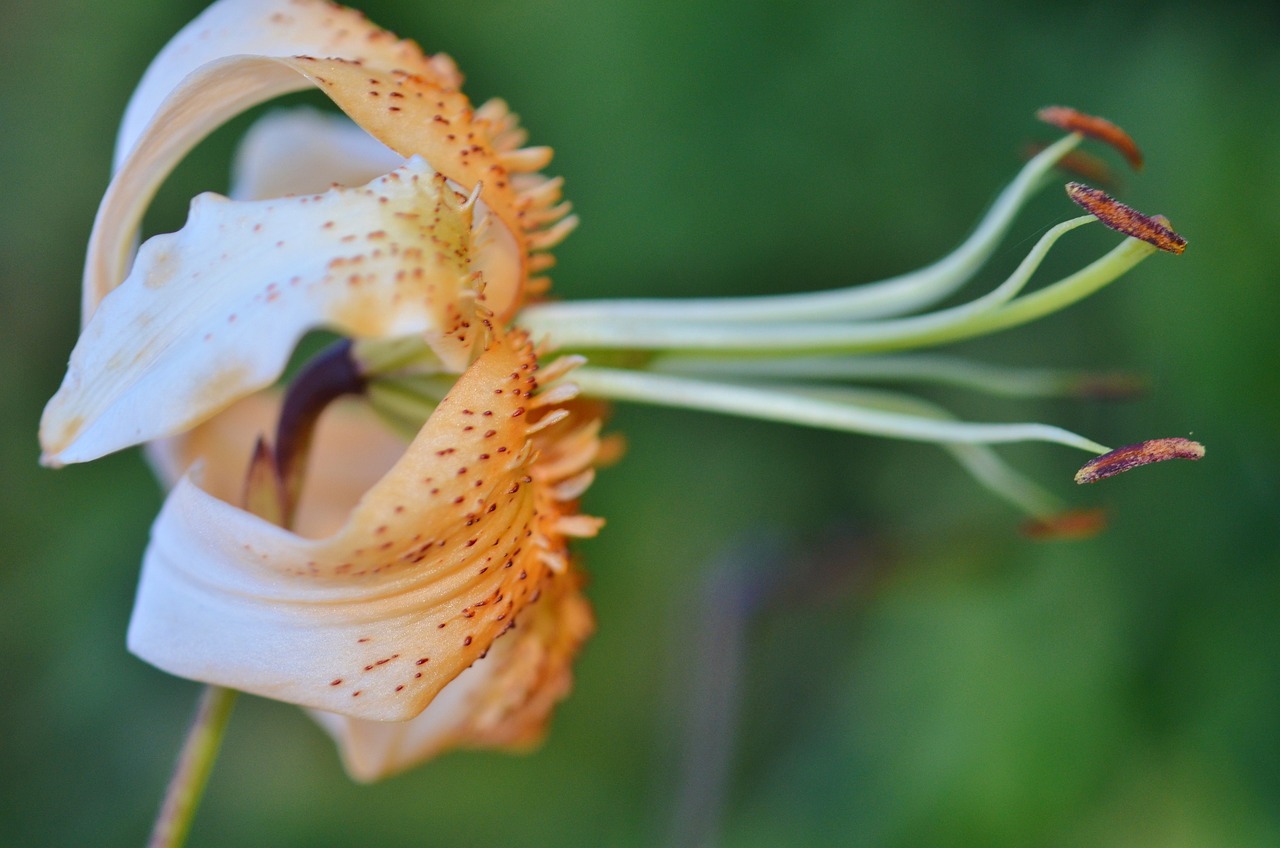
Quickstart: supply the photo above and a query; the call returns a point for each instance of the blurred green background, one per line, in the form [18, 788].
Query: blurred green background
[805, 638]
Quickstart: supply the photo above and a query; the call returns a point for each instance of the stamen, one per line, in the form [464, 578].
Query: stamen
[985, 315]
[1128, 457]
[1072, 120]
[1125, 219]
[771, 403]
[999, 380]
[1082, 164]
[898, 295]
[1070, 525]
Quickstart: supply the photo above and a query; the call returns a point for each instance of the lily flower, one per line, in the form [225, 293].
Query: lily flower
[414, 587]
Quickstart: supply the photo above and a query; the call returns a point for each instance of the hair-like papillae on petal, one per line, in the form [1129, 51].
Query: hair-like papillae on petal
[212, 313]
[437, 560]
[239, 53]
[415, 115]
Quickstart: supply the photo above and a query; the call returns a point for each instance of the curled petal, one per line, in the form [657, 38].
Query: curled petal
[414, 115]
[240, 53]
[211, 313]
[222, 63]
[436, 562]
[503, 701]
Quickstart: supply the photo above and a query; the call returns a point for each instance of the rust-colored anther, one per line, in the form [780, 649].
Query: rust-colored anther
[1071, 120]
[1065, 526]
[1109, 386]
[1123, 459]
[1082, 164]
[1153, 229]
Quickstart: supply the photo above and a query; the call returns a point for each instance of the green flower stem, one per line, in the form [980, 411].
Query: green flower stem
[985, 315]
[895, 296]
[199, 752]
[772, 403]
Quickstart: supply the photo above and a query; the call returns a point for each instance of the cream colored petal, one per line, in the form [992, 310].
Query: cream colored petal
[433, 565]
[211, 313]
[214, 68]
[304, 151]
[503, 701]
[416, 115]
[351, 450]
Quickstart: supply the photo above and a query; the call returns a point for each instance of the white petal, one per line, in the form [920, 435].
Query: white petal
[504, 700]
[211, 313]
[433, 565]
[304, 151]
[216, 67]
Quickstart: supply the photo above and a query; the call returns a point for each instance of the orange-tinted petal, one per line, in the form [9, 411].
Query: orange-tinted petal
[219, 65]
[436, 562]
[211, 313]
[503, 701]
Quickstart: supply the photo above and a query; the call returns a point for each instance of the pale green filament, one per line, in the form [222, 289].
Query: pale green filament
[886, 298]
[800, 407]
[1003, 381]
[985, 315]
[982, 463]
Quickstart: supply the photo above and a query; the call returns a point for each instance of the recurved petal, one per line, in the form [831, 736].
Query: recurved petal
[435, 563]
[220, 64]
[502, 701]
[211, 313]
[417, 115]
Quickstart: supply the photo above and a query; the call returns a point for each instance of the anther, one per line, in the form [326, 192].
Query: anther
[1125, 219]
[1072, 120]
[1128, 457]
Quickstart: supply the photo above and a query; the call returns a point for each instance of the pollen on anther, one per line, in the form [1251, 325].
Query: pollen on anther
[1073, 120]
[1153, 230]
[1133, 456]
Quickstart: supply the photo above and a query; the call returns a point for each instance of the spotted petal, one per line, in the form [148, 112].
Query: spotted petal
[211, 313]
[243, 52]
[223, 62]
[436, 562]
[503, 701]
